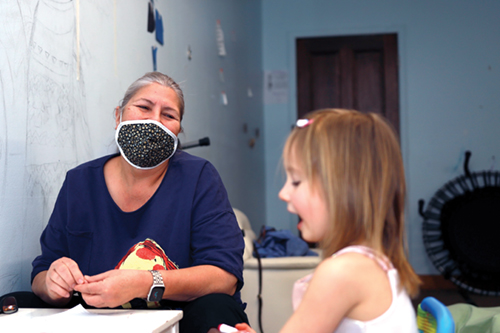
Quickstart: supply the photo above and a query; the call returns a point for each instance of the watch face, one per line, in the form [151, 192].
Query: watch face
[156, 294]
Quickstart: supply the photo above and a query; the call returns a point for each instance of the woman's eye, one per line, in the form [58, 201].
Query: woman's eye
[143, 107]
[170, 116]
[296, 183]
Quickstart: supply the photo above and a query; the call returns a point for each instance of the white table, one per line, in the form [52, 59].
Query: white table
[79, 319]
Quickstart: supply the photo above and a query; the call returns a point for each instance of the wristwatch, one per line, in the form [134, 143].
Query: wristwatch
[157, 289]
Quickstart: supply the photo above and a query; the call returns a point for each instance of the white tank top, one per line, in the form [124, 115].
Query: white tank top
[399, 318]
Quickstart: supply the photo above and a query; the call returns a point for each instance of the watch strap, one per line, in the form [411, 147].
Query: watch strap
[157, 284]
[157, 278]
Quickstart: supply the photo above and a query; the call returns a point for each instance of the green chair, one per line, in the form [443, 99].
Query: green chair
[471, 319]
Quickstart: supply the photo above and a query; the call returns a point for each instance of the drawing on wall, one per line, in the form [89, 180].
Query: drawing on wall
[56, 128]
[8, 279]
[44, 101]
[3, 129]
[12, 98]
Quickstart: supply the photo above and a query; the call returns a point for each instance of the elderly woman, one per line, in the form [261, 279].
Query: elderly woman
[148, 227]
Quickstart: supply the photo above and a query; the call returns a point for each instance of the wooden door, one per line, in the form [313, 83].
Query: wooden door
[352, 72]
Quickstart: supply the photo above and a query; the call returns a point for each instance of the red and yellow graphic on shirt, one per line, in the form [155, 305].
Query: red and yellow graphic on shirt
[146, 255]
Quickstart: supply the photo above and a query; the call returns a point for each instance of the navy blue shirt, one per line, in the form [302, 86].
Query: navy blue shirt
[189, 216]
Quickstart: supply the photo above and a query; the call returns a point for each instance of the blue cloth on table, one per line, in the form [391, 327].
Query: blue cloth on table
[281, 243]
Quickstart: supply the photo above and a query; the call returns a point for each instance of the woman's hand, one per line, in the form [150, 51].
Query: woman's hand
[115, 287]
[119, 286]
[56, 285]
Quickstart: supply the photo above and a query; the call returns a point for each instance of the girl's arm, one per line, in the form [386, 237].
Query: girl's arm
[350, 285]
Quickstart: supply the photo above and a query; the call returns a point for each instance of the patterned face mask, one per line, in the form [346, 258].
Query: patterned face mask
[145, 144]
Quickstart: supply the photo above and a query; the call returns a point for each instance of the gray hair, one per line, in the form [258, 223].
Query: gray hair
[153, 77]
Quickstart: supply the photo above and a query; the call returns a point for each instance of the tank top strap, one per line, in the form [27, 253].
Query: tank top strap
[369, 252]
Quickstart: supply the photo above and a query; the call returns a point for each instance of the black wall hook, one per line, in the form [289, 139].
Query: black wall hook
[466, 163]
[421, 204]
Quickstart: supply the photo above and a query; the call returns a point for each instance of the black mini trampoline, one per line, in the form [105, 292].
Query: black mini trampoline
[461, 230]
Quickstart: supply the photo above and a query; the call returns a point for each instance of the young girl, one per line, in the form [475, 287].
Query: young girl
[345, 181]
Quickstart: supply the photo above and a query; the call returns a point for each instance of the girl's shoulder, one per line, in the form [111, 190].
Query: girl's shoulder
[347, 285]
[345, 270]
[339, 285]
[353, 268]
[365, 254]
[360, 279]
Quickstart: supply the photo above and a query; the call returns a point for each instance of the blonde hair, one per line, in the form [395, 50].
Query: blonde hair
[354, 160]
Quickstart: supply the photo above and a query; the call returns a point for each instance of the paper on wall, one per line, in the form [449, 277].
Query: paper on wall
[219, 36]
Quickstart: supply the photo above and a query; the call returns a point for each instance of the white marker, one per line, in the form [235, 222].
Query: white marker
[223, 328]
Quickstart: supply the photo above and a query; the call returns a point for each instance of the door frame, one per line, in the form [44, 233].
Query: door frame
[403, 95]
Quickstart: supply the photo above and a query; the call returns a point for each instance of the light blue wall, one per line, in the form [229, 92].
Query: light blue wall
[114, 49]
[193, 22]
[449, 80]
[449, 76]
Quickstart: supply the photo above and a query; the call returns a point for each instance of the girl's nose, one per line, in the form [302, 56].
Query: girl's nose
[282, 194]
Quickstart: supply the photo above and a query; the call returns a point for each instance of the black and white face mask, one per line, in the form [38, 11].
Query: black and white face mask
[145, 144]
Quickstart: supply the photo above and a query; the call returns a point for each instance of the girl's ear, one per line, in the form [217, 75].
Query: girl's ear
[117, 117]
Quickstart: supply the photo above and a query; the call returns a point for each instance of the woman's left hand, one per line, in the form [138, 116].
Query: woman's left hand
[114, 288]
